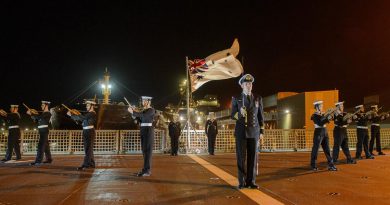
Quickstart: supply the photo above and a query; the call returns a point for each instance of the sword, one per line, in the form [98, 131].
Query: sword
[243, 107]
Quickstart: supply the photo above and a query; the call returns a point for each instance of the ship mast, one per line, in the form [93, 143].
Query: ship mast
[106, 87]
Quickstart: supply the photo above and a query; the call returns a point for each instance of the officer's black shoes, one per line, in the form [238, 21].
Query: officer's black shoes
[4, 160]
[351, 161]
[17, 159]
[252, 186]
[359, 158]
[82, 168]
[35, 163]
[144, 174]
[332, 168]
[370, 157]
[241, 186]
[381, 153]
[47, 162]
[372, 154]
[314, 168]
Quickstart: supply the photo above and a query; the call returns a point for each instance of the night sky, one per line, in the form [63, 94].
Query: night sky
[51, 51]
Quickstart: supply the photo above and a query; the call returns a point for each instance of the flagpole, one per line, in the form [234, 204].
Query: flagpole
[188, 107]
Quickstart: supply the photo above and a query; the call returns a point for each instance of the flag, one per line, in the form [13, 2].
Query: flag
[218, 66]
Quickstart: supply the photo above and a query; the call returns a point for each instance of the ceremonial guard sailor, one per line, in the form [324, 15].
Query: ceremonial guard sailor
[247, 110]
[362, 133]
[43, 120]
[88, 122]
[12, 119]
[174, 128]
[376, 130]
[321, 136]
[211, 129]
[340, 135]
[145, 117]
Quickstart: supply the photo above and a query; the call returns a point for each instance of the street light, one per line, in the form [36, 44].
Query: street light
[287, 111]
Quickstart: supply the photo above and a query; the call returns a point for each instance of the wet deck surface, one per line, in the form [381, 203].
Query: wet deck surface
[181, 180]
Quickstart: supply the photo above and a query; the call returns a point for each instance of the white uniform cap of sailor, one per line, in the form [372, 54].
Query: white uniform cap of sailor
[90, 102]
[318, 102]
[146, 98]
[339, 103]
[246, 78]
[45, 102]
[374, 106]
[14, 106]
[358, 106]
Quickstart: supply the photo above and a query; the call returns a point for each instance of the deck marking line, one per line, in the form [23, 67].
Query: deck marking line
[256, 195]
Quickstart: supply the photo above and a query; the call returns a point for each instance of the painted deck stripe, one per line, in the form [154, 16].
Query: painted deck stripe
[256, 195]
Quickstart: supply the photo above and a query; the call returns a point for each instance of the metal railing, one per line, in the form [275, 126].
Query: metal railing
[129, 142]
[71, 141]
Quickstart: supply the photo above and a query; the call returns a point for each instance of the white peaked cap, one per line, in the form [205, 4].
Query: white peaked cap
[90, 102]
[339, 103]
[146, 98]
[358, 106]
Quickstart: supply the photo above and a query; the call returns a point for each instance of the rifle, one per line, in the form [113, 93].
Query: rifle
[72, 111]
[127, 101]
[3, 113]
[32, 111]
[350, 115]
[130, 105]
[329, 112]
[384, 114]
[370, 114]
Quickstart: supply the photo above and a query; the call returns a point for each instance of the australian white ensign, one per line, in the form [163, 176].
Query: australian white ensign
[218, 66]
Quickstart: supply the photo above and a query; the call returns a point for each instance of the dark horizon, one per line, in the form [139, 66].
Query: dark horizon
[53, 50]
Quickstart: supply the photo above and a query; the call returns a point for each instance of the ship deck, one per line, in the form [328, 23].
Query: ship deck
[284, 178]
